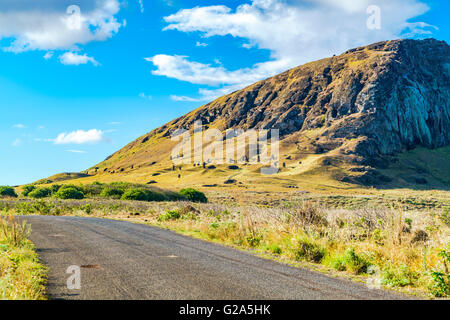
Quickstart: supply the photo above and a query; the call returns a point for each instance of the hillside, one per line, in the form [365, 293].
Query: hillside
[377, 115]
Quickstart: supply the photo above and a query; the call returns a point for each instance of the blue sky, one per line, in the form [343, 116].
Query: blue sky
[75, 88]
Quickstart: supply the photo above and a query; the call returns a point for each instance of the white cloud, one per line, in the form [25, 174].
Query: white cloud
[81, 137]
[48, 55]
[294, 31]
[141, 6]
[201, 44]
[19, 126]
[56, 24]
[76, 151]
[71, 58]
[16, 143]
[181, 68]
[145, 96]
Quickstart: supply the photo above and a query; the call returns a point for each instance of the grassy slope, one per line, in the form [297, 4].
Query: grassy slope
[311, 175]
[22, 277]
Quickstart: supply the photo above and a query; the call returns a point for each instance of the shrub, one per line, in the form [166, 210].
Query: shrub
[351, 261]
[6, 191]
[70, 186]
[169, 215]
[112, 192]
[135, 194]
[55, 188]
[194, 195]
[274, 249]
[309, 250]
[27, 189]
[92, 189]
[398, 277]
[40, 193]
[440, 284]
[142, 195]
[440, 280]
[69, 193]
[155, 196]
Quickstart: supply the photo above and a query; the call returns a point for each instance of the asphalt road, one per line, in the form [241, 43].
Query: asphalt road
[121, 260]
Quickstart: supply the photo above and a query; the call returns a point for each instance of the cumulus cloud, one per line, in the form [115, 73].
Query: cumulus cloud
[19, 126]
[56, 24]
[81, 137]
[294, 31]
[71, 58]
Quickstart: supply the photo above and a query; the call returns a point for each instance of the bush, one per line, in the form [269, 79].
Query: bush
[142, 195]
[398, 277]
[309, 251]
[27, 189]
[40, 193]
[92, 189]
[69, 193]
[111, 192]
[169, 215]
[55, 188]
[70, 186]
[6, 191]
[135, 194]
[194, 195]
[351, 261]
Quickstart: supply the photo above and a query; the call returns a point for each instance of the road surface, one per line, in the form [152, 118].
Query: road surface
[121, 260]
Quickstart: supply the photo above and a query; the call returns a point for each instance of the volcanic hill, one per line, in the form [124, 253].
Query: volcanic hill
[377, 115]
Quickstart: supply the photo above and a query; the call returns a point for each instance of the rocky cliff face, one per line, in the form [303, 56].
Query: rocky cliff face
[390, 96]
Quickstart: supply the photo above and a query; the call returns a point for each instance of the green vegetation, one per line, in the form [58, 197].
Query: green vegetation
[194, 195]
[169, 215]
[115, 190]
[112, 193]
[22, 277]
[135, 194]
[307, 249]
[69, 193]
[40, 193]
[6, 191]
[143, 195]
[350, 261]
[26, 190]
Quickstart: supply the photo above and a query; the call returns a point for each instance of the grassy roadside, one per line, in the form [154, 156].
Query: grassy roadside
[22, 277]
[402, 249]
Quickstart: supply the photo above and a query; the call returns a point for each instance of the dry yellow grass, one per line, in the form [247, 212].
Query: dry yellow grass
[22, 277]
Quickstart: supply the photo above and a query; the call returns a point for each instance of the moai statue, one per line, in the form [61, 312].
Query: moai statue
[173, 167]
[204, 165]
[284, 164]
[179, 176]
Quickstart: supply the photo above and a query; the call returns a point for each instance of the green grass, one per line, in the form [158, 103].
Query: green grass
[22, 277]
